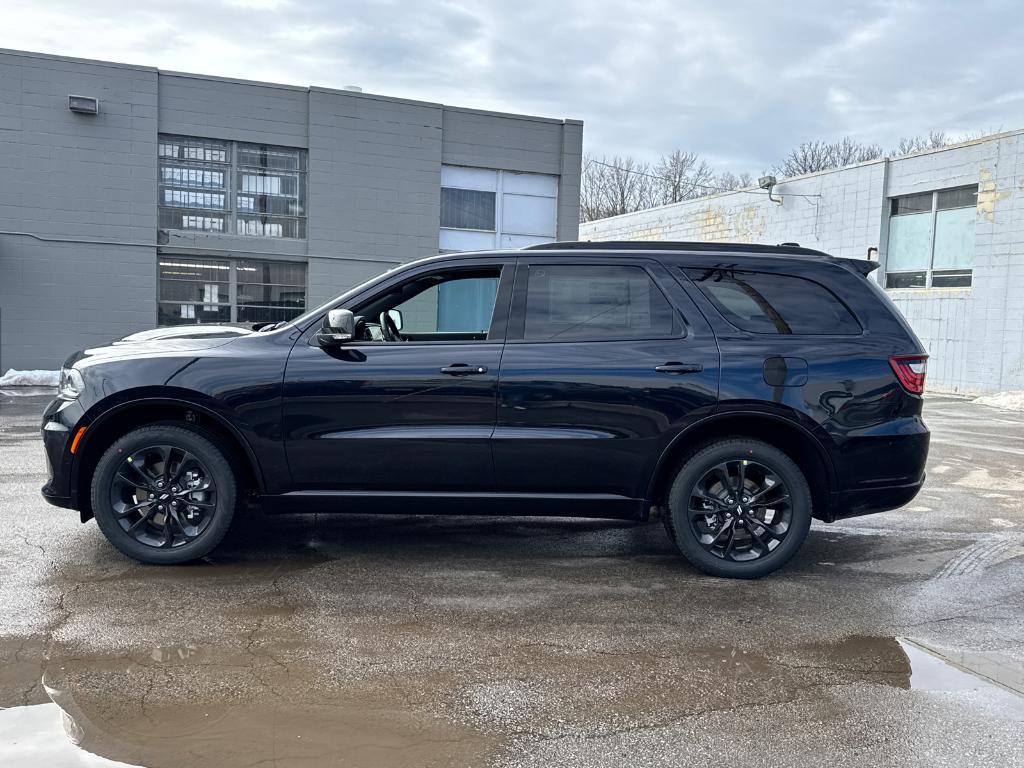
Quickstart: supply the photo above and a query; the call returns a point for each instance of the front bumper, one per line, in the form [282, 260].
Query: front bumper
[60, 420]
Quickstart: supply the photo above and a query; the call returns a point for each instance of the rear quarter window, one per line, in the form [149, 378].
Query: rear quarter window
[761, 302]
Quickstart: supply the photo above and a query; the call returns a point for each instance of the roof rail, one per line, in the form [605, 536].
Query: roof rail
[670, 245]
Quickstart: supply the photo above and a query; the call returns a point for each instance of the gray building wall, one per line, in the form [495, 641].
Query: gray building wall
[68, 178]
[78, 194]
[975, 335]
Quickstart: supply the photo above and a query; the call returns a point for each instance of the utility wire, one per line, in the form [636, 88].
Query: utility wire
[710, 187]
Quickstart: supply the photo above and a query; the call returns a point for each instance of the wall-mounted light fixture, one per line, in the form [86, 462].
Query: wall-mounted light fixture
[84, 105]
[767, 182]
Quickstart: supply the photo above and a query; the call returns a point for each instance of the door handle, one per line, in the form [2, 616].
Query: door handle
[462, 369]
[673, 367]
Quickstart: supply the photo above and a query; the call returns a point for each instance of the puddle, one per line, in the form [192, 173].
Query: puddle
[992, 674]
[40, 735]
[50, 736]
[105, 734]
[192, 705]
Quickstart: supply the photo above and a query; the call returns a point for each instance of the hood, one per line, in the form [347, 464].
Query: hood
[202, 332]
[162, 342]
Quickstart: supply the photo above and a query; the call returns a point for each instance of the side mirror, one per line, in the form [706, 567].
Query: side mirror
[396, 315]
[339, 327]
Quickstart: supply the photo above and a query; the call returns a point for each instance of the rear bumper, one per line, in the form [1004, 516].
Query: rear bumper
[879, 469]
[867, 502]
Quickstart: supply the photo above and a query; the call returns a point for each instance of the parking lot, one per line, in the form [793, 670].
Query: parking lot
[896, 639]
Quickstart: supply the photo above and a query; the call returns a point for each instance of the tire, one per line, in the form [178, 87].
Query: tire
[203, 497]
[765, 535]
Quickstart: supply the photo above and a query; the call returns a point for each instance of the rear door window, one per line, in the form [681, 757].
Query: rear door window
[580, 302]
[761, 302]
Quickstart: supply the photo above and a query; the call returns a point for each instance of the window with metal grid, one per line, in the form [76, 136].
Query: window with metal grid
[224, 187]
[931, 239]
[201, 290]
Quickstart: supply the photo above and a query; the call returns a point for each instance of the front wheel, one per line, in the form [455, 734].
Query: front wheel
[739, 508]
[163, 494]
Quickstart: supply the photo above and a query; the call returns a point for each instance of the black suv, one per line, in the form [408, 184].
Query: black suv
[735, 390]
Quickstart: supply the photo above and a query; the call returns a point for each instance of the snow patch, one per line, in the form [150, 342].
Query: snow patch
[1012, 400]
[15, 378]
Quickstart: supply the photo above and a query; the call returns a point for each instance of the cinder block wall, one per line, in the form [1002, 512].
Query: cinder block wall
[838, 212]
[975, 335]
[67, 177]
[374, 178]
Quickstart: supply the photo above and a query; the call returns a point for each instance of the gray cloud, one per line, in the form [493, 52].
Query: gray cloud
[740, 82]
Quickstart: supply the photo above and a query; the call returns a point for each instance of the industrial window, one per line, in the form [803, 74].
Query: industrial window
[596, 303]
[226, 187]
[467, 209]
[760, 302]
[483, 208]
[198, 290]
[931, 239]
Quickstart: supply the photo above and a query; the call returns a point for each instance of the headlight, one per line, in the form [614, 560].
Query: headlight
[71, 384]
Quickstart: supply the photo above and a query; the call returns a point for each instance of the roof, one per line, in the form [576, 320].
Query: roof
[674, 245]
[740, 249]
[753, 250]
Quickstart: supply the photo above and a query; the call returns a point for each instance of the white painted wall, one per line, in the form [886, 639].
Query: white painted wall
[975, 335]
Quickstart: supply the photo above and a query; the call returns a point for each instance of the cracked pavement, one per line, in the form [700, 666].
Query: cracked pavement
[895, 639]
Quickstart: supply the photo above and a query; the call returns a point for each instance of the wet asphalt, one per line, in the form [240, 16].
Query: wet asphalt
[896, 639]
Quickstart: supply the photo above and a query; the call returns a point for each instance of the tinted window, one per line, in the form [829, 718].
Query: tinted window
[766, 303]
[581, 302]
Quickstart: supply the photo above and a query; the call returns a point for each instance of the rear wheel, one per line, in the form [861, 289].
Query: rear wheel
[164, 494]
[739, 508]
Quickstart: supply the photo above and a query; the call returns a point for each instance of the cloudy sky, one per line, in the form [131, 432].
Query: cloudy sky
[739, 81]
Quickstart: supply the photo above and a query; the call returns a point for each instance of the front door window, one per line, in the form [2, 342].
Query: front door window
[452, 306]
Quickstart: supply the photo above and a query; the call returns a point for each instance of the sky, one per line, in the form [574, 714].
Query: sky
[736, 81]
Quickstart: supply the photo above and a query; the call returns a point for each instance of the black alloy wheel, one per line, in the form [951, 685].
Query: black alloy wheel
[739, 508]
[164, 494]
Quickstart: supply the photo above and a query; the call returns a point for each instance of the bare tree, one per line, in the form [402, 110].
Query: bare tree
[682, 176]
[809, 157]
[631, 187]
[592, 186]
[614, 186]
[727, 181]
[813, 156]
[934, 140]
[847, 151]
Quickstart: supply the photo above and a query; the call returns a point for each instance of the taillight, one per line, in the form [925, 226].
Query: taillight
[910, 370]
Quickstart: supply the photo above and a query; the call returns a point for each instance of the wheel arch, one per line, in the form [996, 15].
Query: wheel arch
[138, 412]
[793, 439]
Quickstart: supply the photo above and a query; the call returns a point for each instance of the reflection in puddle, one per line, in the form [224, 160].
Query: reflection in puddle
[995, 675]
[185, 706]
[52, 736]
[43, 735]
